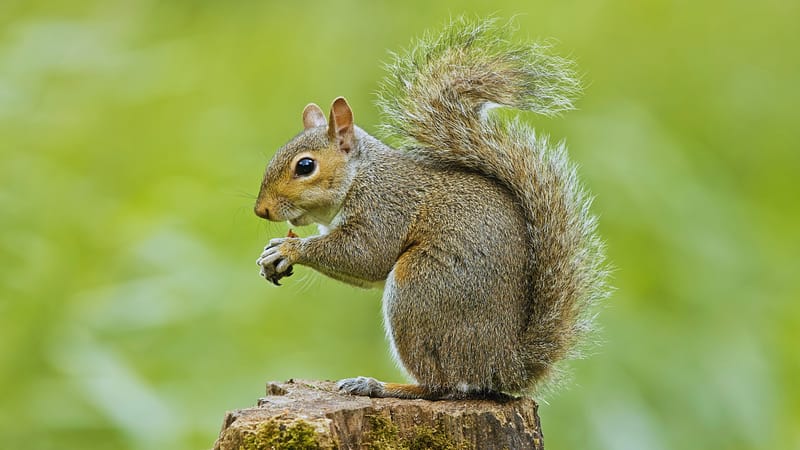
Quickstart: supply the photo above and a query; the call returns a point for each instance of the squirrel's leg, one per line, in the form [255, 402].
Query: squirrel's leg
[410, 272]
[348, 255]
[373, 388]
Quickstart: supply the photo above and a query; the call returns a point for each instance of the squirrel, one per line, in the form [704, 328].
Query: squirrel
[476, 228]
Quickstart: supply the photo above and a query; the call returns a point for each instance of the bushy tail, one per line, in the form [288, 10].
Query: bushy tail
[436, 102]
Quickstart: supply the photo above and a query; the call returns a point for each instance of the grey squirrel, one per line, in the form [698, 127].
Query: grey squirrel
[477, 229]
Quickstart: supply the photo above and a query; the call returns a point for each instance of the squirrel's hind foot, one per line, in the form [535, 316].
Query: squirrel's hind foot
[366, 386]
[371, 387]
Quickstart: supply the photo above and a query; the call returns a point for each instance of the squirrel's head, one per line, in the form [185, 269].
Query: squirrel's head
[308, 178]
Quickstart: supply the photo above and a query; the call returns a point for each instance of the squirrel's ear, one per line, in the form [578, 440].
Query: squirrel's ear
[340, 124]
[313, 116]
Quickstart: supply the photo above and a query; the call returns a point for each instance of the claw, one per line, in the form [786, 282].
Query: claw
[361, 386]
[277, 276]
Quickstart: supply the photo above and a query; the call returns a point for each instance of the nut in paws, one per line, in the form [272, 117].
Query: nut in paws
[277, 259]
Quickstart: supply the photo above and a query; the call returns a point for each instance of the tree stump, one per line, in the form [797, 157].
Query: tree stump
[314, 415]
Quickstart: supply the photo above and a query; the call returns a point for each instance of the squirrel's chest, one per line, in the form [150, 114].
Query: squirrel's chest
[324, 228]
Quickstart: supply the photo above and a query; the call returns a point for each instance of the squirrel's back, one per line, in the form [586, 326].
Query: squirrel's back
[437, 103]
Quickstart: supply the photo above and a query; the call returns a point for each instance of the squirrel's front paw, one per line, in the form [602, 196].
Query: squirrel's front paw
[277, 259]
[361, 386]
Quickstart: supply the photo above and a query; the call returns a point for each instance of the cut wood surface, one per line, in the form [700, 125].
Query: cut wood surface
[313, 414]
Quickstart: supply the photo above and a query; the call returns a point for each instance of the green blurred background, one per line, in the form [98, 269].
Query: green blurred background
[133, 135]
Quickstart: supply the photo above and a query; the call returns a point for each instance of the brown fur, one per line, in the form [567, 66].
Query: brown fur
[479, 231]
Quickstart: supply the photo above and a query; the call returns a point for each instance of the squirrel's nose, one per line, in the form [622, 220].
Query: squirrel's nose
[261, 211]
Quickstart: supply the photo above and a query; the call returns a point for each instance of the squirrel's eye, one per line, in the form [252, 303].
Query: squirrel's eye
[305, 166]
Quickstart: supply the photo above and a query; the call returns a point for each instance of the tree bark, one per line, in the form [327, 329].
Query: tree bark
[313, 414]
